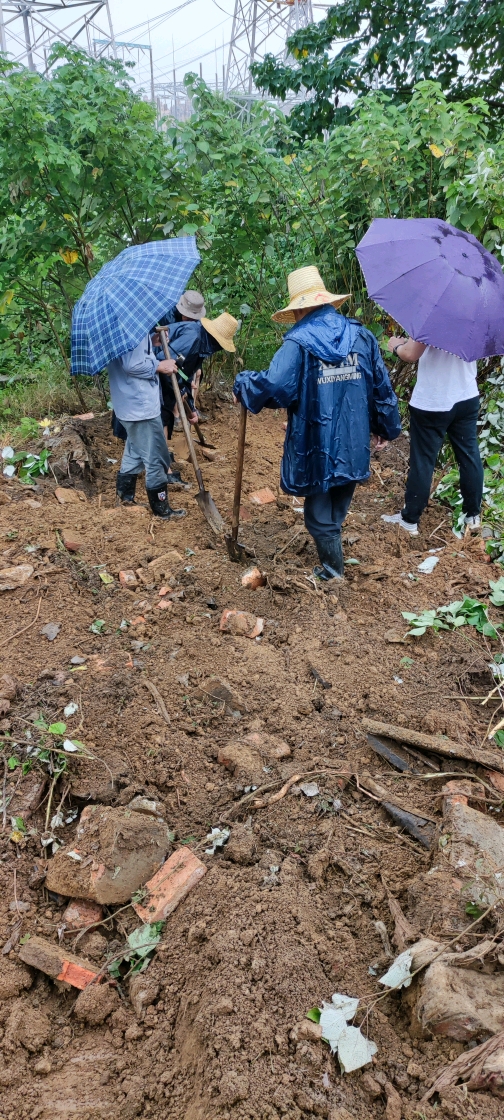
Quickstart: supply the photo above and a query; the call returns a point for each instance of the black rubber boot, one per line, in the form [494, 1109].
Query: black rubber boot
[160, 506]
[176, 481]
[125, 488]
[330, 553]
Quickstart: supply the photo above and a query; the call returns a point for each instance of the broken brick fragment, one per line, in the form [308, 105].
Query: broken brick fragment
[81, 913]
[128, 579]
[262, 497]
[170, 885]
[57, 963]
[241, 624]
[71, 540]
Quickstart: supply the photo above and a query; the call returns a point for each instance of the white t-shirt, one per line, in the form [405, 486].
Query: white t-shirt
[443, 380]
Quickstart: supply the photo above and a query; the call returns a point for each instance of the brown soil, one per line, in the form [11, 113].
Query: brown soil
[287, 913]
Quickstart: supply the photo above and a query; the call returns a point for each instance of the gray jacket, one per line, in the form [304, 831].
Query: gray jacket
[134, 383]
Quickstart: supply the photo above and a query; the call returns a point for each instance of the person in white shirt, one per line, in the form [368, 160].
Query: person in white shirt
[444, 402]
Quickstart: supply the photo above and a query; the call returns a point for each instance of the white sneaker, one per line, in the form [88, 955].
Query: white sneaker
[397, 519]
[473, 524]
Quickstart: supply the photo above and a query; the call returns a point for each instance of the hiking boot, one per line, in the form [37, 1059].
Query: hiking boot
[160, 506]
[178, 426]
[473, 524]
[398, 519]
[125, 488]
[175, 480]
[330, 554]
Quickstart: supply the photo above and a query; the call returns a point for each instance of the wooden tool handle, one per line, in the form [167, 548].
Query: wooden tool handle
[182, 414]
[239, 473]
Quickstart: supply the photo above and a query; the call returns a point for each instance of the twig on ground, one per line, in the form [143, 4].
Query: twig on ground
[4, 795]
[161, 707]
[286, 546]
[24, 628]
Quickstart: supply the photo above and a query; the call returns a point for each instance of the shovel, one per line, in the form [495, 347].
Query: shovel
[201, 439]
[203, 498]
[237, 552]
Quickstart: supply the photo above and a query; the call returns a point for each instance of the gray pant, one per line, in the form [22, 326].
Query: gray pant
[146, 449]
[324, 514]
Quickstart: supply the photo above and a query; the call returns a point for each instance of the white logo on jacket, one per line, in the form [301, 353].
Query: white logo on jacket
[347, 371]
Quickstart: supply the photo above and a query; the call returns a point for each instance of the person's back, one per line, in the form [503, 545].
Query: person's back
[443, 380]
[331, 378]
[341, 393]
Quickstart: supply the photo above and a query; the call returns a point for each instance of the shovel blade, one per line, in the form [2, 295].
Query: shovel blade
[210, 511]
[238, 553]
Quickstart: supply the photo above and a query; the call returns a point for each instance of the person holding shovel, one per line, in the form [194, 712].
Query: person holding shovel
[190, 343]
[134, 389]
[331, 378]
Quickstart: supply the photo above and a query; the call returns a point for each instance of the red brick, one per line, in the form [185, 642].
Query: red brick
[71, 540]
[262, 497]
[56, 962]
[170, 885]
[128, 579]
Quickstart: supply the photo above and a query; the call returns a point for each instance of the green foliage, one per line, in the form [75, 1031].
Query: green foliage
[463, 612]
[497, 595]
[391, 46]
[141, 943]
[84, 172]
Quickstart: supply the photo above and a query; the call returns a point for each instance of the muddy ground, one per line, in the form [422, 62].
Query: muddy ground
[286, 913]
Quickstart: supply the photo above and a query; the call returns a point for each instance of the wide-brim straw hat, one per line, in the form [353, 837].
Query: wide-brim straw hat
[192, 304]
[306, 290]
[223, 328]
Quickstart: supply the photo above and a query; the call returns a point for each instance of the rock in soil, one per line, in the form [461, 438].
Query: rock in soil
[460, 1003]
[143, 990]
[14, 978]
[126, 849]
[96, 1003]
[28, 1027]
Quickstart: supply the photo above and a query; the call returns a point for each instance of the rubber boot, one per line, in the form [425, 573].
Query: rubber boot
[125, 488]
[330, 554]
[160, 506]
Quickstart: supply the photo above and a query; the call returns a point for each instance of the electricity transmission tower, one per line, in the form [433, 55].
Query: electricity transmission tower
[30, 28]
[261, 27]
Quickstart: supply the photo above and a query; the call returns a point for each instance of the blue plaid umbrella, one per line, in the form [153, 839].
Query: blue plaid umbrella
[127, 297]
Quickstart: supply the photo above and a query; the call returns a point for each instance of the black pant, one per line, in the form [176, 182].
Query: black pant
[324, 513]
[427, 433]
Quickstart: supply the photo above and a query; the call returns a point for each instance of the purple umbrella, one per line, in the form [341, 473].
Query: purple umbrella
[439, 283]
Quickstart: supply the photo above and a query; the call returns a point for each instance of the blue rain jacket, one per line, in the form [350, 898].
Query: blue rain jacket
[331, 378]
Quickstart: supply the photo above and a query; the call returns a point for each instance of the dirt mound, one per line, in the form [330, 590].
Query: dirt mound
[223, 731]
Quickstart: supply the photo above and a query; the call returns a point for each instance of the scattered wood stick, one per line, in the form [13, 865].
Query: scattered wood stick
[403, 931]
[160, 704]
[436, 743]
[318, 677]
[379, 793]
[279, 795]
[24, 628]
[285, 546]
[467, 1067]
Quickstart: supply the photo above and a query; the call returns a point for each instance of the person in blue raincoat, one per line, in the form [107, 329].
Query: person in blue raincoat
[331, 378]
[190, 343]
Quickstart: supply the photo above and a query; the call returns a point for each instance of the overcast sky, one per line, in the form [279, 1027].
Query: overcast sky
[182, 33]
[199, 32]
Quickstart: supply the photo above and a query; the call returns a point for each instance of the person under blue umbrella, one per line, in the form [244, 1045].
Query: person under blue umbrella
[134, 390]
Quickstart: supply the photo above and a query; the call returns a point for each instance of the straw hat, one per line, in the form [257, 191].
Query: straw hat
[306, 289]
[192, 304]
[223, 328]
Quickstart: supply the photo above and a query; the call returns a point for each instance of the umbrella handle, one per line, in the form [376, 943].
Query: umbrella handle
[239, 473]
[182, 414]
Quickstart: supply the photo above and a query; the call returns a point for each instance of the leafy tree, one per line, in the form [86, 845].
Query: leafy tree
[393, 45]
[81, 167]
